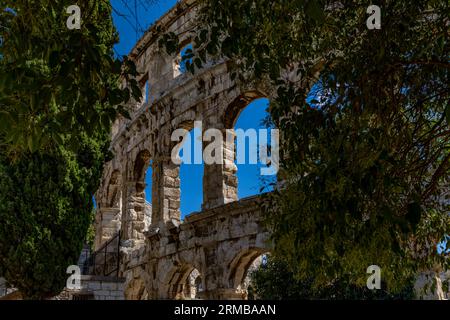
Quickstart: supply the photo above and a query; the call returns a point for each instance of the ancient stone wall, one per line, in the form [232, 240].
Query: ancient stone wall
[95, 288]
[219, 245]
[161, 252]
[209, 254]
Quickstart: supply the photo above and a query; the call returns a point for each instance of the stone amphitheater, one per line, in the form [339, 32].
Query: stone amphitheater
[152, 252]
[161, 257]
[208, 255]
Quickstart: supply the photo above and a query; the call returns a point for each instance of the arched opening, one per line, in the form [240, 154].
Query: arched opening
[108, 218]
[137, 213]
[241, 269]
[185, 283]
[186, 54]
[250, 152]
[148, 195]
[247, 284]
[143, 176]
[191, 173]
[193, 286]
[183, 59]
[145, 89]
[253, 131]
[140, 168]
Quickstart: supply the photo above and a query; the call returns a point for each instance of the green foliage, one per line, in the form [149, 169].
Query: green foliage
[59, 93]
[364, 119]
[90, 234]
[274, 281]
[55, 81]
[45, 212]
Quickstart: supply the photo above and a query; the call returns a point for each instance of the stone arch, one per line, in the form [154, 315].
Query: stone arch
[195, 285]
[246, 285]
[136, 210]
[251, 135]
[210, 238]
[180, 284]
[109, 211]
[239, 266]
[220, 181]
[187, 171]
[184, 44]
[140, 166]
[234, 109]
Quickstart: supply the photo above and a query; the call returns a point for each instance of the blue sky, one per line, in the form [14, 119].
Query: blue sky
[124, 17]
[249, 179]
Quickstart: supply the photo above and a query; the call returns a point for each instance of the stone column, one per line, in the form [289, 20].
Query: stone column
[166, 191]
[219, 180]
[230, 181]
[133, 223]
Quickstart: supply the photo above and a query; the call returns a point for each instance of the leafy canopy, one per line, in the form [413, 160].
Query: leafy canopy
[275, 281]
[56, 82]
[364, 117]
[45, 213]
[60, 90]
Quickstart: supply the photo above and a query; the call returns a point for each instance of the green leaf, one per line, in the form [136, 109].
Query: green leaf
[121, 109]
[136, 91]
[198, 63]
[106, 122]
[117, 66]
[33, 140]
[58, 138]
[115, 97]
